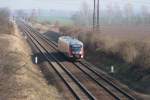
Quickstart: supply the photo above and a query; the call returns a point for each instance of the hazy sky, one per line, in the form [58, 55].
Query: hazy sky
[45, 4]
[62, 4]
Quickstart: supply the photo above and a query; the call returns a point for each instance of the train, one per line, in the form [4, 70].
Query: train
[71, 47]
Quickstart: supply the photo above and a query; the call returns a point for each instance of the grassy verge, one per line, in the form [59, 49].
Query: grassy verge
[20, 79]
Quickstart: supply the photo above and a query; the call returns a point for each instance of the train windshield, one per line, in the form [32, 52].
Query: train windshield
[76, 47]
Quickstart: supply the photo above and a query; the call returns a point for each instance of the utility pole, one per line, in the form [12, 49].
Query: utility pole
[94, 15]
[98, 24]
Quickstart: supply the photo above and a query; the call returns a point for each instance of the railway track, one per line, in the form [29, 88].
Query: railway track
[101, 74]
[95, 96]
[98, 81]
[76, 88]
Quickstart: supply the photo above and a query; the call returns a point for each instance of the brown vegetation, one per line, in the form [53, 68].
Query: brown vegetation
[20, 79]
[5, 25]
[127, 47]
[45, 26]
[130, 51]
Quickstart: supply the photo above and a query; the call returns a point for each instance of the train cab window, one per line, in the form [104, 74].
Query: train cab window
[76, 48]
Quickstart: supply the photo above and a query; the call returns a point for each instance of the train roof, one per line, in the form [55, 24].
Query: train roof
[70, 40]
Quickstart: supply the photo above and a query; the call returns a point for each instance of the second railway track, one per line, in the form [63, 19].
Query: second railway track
[74, 86]
[93, 85]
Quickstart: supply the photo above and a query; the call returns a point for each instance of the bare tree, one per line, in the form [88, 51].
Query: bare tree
[4, 20]
[117, 14]
[109, 13]
[33, 15]
[4, 15]
[128, 11]
[21, 13]
[145, 14]
[94, 14]
[83, 17]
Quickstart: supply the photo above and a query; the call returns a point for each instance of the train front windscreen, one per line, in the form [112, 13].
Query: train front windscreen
[76, 48]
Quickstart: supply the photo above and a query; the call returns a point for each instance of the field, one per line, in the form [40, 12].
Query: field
[53, 19]
[126, 31]
[126, 47]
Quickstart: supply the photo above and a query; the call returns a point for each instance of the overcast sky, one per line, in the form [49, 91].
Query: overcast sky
[44, 4]
[62, 4]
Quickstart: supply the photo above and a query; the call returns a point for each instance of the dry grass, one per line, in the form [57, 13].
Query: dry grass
[44, 27]
[129, 53]
[20, 79]
[131, 49]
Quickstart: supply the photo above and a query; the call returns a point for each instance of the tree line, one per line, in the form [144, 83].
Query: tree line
[113, 14]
